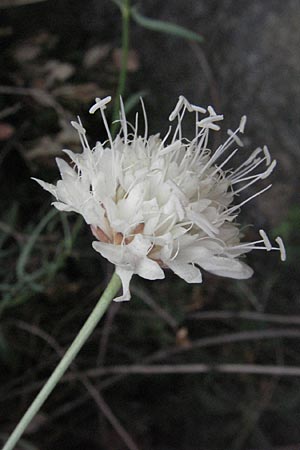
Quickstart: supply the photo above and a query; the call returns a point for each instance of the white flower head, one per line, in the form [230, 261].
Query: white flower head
[155, 203]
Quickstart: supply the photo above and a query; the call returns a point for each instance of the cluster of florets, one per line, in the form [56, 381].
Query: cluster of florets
[154, 203]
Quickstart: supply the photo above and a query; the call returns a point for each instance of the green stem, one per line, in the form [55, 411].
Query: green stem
[125, 9]
[85, 332]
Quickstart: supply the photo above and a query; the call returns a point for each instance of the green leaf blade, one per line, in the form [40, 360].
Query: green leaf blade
[165, 27]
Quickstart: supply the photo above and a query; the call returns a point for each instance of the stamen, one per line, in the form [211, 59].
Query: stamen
[208, 122]
[218, 168]
[176, 110]
[178, 129]
[267, 154]
[281, 248]
[266, 240]
[243, 124]
[255, 178]
[235, 137]
[269, 170]
[81, 132]
[177, 251]
[123, 120]
[234, 208]
[197, 109]
[171, 148]
[100, 104]
[211, 111]
[78, 127]
[145, 119]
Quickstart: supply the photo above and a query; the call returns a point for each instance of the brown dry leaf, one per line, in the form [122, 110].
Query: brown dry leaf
[57, 71]
[133, 62]
[31, 48]
[6, 131]
[44, 148]
[83, 93]
[51, 146]
[94, 55]
[182, 337]
[26, 52]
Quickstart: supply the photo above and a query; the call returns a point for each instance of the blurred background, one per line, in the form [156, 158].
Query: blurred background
[56, 57]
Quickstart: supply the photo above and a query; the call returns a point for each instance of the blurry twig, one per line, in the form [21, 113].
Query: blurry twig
[107, 328]
[94, 393]
[10, 110]
[107, 412]
[8, 229]
[253, 414]
[12, 3]
[201, 343]
[247, 315]
[228, 338]
[41, 96]
[162, 313]
[254, 369]
[209, 342]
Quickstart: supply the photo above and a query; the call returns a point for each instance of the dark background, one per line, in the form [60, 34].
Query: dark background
[56, 57]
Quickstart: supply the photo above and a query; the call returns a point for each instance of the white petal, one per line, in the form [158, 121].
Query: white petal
[202, 222]
[64, 168]
[139, 246]
[47, 186]
[194, 254]
[187, 272]
[73, 156]
[125, 276]
[149, 269]
[114, 253]
[63, 207]
[227, 267]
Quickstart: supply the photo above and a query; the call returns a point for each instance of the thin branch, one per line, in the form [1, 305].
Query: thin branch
[208, 342]
[94, 393]
[149, 301]
[106, 331]
[10, 110]
[12, 3]
[107, 412]
[39, 95]
[247, 315]
[170, 369]
[228, 338]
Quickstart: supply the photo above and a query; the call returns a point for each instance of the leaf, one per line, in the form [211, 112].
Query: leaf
[27, 249]
[165, 27]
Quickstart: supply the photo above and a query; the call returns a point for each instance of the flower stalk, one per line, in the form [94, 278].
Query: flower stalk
[85, 332]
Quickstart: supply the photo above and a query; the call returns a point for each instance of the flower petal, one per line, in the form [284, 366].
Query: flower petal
[149, 269]
[125, 276]
[47, 186]
[114, 253]
[187, 272]
[227, 267]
